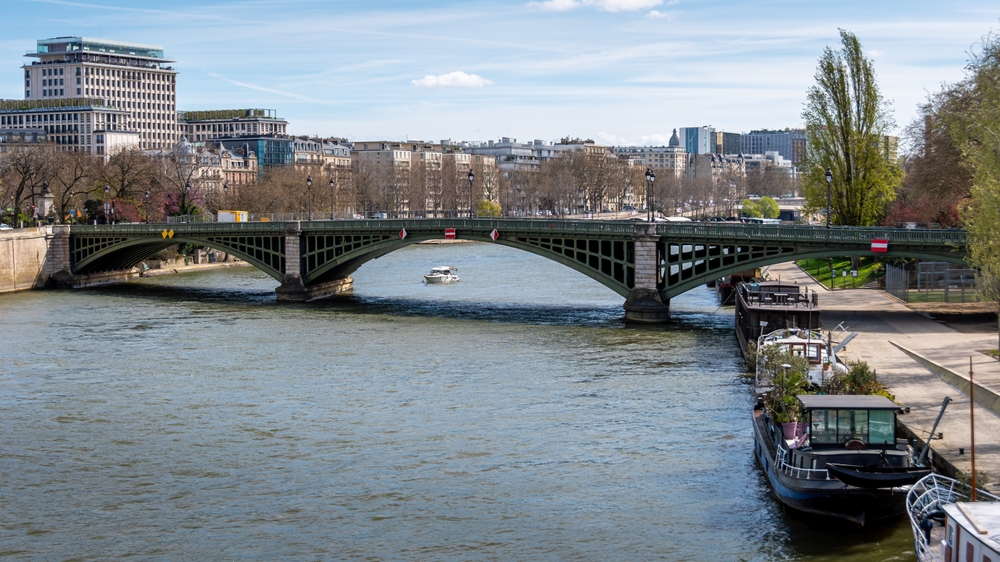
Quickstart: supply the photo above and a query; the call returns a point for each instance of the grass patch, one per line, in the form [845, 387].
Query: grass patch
[954, 295]
[870, 270]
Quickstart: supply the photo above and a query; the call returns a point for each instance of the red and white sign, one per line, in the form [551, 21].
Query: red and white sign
[402, 234]
[495, 234]
[880, 245]
[449, 233]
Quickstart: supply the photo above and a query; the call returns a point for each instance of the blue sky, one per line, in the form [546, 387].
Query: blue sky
[617, 71]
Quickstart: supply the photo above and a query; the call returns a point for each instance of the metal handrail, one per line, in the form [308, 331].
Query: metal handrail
[927, 496]
[780, 456]
[815, 233]
[956, 238]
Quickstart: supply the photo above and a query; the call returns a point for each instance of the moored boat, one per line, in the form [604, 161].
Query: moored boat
[801, 342]
[947, 525]
[442, 274]
[840, 430]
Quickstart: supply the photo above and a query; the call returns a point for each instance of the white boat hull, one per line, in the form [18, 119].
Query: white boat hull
[440, 279]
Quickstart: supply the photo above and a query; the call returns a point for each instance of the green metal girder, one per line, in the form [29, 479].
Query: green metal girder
[690, 253]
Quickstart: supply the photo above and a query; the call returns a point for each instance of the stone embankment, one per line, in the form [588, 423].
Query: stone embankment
[923, 360]
[23, 256]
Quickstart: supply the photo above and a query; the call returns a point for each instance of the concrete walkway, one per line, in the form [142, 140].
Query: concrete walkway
[881, 322]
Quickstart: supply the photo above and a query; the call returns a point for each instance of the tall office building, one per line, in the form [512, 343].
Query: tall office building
[129, 77]
[698, 140]
[790, 143]
[727, 143]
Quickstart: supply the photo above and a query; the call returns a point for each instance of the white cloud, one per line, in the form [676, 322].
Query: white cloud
[452, 80]
[609, 139]
[606, 5]
[660, 139]
[623, 5]
[555, 5]
[656, 14]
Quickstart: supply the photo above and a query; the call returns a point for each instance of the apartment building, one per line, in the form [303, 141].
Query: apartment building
[73, 124]
[226, 123]
[133, 78]
[672, 158]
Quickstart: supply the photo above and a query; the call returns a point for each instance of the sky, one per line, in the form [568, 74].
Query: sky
[615, 71]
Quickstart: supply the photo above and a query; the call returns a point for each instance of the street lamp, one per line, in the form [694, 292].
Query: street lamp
[829, 186]
[107, 205]
[146, 206]
[650, 176]
[333, 187]
[225, 193]
[472, 176]
[309, 194]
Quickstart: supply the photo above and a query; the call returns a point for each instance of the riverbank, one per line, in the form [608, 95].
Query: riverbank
[887, 329]
[181, 267]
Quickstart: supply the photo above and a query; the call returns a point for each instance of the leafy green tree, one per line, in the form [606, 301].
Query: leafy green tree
[488, 209]
[974, 116]
[768, 208]
[750, 208]
[847, 122]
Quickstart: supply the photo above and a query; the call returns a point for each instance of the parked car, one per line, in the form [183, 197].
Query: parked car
[5, 226]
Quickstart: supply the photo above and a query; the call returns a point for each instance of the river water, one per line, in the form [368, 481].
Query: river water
[511, 416]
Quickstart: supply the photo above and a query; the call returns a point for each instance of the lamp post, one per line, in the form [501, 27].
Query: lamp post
[650, 176]
[184, 204]
[107, 204]
[333, 187]
[472, 176]
[829, 186]
[309, 195]
[146, 206]
[225, 194]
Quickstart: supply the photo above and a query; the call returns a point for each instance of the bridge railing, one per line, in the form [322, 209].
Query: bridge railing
[815, 234]
[707, 231]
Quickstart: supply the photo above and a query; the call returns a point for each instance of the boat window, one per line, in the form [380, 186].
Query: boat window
[823, 427]
[852, 424]
[874, 427]
[881, 427]
[813, 351]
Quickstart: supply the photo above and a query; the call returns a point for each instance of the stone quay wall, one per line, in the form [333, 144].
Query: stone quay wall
[23, 256]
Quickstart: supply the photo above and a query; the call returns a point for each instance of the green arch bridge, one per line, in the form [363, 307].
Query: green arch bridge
[645, 263]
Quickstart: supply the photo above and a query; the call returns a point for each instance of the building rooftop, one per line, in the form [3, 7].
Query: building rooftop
[58, 45]
[57, 104]
[228, 115]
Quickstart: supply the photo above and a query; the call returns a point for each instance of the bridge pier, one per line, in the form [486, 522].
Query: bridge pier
[293, 288]
[58, 268]
[644, 305]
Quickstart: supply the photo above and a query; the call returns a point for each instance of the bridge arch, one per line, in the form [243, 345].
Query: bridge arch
[606, 261]
[102, 254]
[695, 280]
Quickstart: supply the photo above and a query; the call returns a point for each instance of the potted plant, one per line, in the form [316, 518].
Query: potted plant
[787, 374]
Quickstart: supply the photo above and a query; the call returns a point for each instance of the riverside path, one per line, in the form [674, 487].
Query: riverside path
[646, 263]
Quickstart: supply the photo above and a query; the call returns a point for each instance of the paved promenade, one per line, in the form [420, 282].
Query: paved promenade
[882, 321]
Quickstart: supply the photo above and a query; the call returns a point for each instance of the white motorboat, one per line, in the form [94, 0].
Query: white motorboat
[442, 274]
[948, 526]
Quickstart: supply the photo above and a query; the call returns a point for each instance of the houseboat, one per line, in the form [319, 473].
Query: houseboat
[835, 461]
[764, 307]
